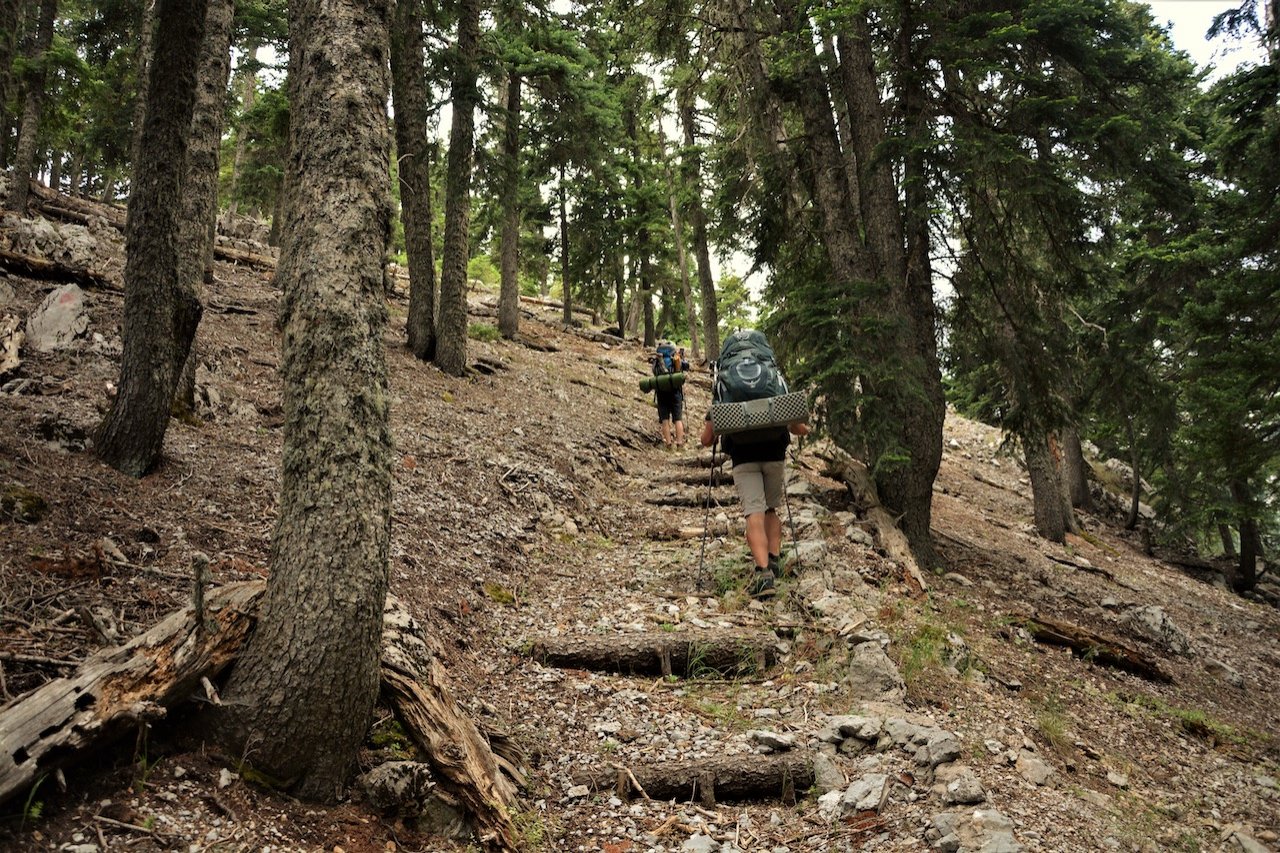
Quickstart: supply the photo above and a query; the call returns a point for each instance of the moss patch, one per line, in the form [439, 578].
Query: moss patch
[18, 503]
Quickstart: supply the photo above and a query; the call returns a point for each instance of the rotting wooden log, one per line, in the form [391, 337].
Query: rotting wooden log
[551, 303]
[685, 654]
[1094, 647]
[414, 681]
[116, 688]
[42, 268]
[856, 476]
[1090, 569]
[728, 778]
[693, 501]
[240, 256]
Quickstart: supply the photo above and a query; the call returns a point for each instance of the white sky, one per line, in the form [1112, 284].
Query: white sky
[1189, 20]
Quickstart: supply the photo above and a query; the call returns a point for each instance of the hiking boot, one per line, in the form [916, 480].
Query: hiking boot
[761, 584]
[775, 566]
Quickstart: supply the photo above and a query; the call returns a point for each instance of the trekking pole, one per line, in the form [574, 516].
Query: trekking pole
[706, 515]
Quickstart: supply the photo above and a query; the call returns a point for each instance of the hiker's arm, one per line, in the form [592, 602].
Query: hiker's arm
[708, 435]
[798, 428]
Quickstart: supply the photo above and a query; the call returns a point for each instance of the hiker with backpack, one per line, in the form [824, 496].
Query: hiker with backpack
[670, 396]
[747, 372]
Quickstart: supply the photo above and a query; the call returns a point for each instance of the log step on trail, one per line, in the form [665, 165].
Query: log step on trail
[1094, 647]
[726, 778]
[666, 654]
[691, 501]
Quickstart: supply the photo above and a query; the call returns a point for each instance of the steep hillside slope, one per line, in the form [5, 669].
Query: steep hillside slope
[536, 513]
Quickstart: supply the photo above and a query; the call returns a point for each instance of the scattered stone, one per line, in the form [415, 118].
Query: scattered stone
[957, 578]
[872, 676]
[699, 843]
[1120, 780]
[773, 740]
[1238, 838]
[1226, 673]
[58, 321]
[857, 535]
[866, 794]
[964, 790]
[11, 338]
[985, 830]
[577, 792]
[1154, 624]
[829, 804]
[1034, 770]
[225, 778]
[827, 776]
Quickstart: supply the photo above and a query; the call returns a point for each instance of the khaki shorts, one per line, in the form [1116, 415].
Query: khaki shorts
[760, 485]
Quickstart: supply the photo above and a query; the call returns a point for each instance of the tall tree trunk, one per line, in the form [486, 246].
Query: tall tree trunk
[451, 345]
[1075, 469]
[1228, 540]
[33, 85]
[565, 288]
[692, 167]
[509, 292]
[1245, 576]
[1135, 492]
[197, 227]
[300, 698]
[1046, 489]
[409, 91]
[143, 61]
[55, 171]
[158, 312]
[248, 92]
[690, 310]
[10, 24]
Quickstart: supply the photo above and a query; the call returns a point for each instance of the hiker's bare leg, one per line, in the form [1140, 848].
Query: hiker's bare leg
[758, 538]
[666, 433]
[773, 531]
[680, 433]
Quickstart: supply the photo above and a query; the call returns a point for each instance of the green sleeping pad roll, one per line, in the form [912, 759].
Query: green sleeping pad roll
[662, 382]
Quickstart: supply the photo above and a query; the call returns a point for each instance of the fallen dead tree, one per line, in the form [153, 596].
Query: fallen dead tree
[1094, 647]
[854, 474]
[720, 654]
[729, 778]
[118, 688]
[45, 269]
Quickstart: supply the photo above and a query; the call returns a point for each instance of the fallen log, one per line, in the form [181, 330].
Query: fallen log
[551, 303]
[239, 256]
[117, 688]
[1090, 569]
[414, 681]
[32, 267]
[688, 655]
[855, 475]
[694, 501]
[1094, 647]
[729, 778]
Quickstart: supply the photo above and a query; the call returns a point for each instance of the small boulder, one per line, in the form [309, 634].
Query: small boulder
[1033, 769]
[59, 320]
[1154, 623]
[866, 794]
[872, 676]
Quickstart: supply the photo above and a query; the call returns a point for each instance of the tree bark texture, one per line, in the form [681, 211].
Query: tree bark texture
[24, 160]
[1046, 489]
[10, 24]
[197, 227]
[1245, 575]
[143, 61]
[677, 229]
[719, 779]
[248, 92]
[716, 654]
[158, 311]
[1095, 647]
[451, 346]
[299, 701]
[509, 291]
[1076, 470]
[566, 290]
[117, 688]
[409, 91]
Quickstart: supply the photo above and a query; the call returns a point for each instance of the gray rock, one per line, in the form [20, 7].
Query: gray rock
[964, 790]
[773, 740]
[1241, 840]
[866, 794]
[7, 292]
[857, 535]
[398, 786]
[58, 320]
[829, 804]
[699, 843]
[827, 775]
[1118, 779]
[863, 728]
[1154, 624]
[957, 578]
[1226, 673]
[578, 792]
[1034, 770]
[940, 748]
[872, 676]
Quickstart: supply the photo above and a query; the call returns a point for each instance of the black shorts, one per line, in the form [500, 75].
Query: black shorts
[670, 408]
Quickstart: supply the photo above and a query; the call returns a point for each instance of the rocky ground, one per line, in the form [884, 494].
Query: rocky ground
[534, 505]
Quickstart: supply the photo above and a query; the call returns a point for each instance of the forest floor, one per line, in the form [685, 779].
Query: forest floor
[533, 500]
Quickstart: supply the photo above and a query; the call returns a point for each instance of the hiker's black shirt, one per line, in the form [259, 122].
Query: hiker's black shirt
[769, 450]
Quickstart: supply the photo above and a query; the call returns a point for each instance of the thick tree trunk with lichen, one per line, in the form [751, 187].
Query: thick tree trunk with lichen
[322, 612]
[24, 161]
[158, 312]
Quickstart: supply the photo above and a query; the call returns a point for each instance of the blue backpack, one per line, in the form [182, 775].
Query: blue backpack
[667, 351]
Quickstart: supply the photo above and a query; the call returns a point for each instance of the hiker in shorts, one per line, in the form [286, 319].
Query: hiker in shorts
[759, 474]
[670, 407]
